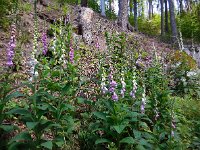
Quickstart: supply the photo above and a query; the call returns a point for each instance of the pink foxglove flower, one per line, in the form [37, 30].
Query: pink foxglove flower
[114, 97]
[11, 46]
[71, 54]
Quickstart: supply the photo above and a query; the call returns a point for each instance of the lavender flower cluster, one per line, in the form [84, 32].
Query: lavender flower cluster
[71, 54]
[113, 85]
[11, 46]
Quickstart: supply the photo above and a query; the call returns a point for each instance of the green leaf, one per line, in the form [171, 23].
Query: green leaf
[99, 141]
[100, 115]
[47, 144]
[140, 147]
[137, 134]
[128, 140]
[31, 125]
[119, 128]
[80, 100]
[20, 111]
[43, 106]
[8, 128]
[23, 136]
[14, 95]
[59, 141]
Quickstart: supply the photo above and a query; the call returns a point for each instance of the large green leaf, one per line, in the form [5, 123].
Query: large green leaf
[13, 95]
[59, 141]
[47, 144]
[23, 136]
[31, 125]
[137, 134]
[8, 128]
[43, 106]
[128, 140]
[119, 128]
[20, 111]
[100, 115]
[99, 141]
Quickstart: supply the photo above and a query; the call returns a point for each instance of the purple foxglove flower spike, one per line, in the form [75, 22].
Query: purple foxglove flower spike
[11, 46]
[71, 54]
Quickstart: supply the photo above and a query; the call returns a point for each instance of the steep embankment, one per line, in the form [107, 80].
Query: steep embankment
[89, 29]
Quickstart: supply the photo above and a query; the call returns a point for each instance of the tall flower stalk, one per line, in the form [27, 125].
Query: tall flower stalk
[123, 89]
[11, 46]
[143, 102]
[156, 109]
[44, 42]
[33, 60]
[71, 54]
[103, 82]
[134, 84]
[173, 125]
[113, 85]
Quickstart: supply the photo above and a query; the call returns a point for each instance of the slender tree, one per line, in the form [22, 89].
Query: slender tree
[150, 9]
[84, 3]
[111, 5]
[162, 17]
[123, 14]
[131, 6]
[135, 15]
[103, 11]
[173, 21]
[166, 18]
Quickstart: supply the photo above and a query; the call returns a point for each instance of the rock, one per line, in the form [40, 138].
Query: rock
[130, 27]
[85, 24]
[44, 2]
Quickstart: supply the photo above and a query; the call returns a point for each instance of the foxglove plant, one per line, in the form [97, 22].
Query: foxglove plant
[44, 41]
[156, 109]
[33, 61]
[71, 54]
[11, 46]
[143, 102]
[113, 85]
[103, 83]
[134, 88]
[173, 126]
[123, 90]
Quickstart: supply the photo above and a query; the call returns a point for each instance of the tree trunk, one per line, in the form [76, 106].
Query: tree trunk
[103, 11]
[135, 16]
[84, 3]
[110, 5]
[131, 6]
[123, 14]
[173, 21]
[150, 9]
[162, 17]
[181, 6]
[166, 18]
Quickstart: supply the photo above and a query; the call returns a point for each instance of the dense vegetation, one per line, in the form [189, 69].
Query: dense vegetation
[123, 103]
